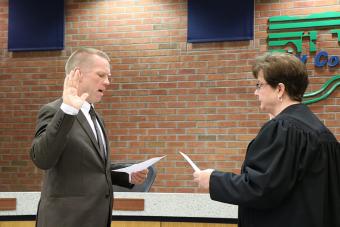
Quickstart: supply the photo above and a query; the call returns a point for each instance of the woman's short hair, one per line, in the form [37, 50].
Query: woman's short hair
[83, 56]
[283, 68]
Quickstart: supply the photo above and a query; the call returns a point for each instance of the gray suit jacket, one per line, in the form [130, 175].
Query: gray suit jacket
[77, 185]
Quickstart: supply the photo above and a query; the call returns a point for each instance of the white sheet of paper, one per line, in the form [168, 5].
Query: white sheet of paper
[139, 166]
[193, 165]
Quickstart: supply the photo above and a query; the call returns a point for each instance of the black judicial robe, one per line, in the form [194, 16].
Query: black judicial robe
[290, 176]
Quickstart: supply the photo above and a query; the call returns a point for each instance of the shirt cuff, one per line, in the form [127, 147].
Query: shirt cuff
[69, 109]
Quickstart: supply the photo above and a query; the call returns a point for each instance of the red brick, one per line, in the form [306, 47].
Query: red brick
[166, 94]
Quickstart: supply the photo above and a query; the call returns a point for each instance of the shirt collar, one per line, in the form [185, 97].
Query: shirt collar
[86, 107]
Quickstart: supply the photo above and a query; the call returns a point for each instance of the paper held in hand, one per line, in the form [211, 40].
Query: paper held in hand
[193, 165]
[139, 166]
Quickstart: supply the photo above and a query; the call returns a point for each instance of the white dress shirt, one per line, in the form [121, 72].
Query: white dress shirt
[85, 109]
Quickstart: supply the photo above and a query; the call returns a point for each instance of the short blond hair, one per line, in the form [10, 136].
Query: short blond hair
[82, 56]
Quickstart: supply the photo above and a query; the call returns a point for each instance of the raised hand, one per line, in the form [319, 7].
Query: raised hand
[70, 92]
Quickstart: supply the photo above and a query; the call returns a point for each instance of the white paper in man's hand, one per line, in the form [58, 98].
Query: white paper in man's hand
[139, 166]
[193, 165]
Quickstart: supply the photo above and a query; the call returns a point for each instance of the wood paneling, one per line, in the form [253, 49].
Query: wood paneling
[8, 203]
[134, 224]
[17, 224]
[191, 224]
[128, 204]
[127, 224]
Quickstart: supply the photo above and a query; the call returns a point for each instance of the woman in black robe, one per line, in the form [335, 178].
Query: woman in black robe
[291, 173]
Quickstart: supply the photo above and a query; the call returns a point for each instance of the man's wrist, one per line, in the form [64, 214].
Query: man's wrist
[69, 109]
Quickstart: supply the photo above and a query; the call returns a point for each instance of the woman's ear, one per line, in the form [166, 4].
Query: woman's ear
[281, 87]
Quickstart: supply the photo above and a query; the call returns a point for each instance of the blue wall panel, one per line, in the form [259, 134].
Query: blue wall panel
[220, 20]
[36, 25]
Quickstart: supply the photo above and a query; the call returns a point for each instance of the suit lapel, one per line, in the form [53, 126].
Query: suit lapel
[87, 128]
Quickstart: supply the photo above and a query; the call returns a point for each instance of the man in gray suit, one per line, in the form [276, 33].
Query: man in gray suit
[71, 145]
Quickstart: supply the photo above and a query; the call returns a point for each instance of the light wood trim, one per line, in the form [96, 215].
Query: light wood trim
[128, 224]
[134, 224]
[17, 224]
[193, 224]
[128, 204]
[8, 203]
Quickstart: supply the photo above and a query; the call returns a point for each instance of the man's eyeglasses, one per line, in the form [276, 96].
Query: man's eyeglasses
[259, 85]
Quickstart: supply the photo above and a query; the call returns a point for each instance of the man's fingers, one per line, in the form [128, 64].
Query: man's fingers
[67, 78]
[143, 173]
[139, 177]
[135, 180]
[76, 77]
[138, 180]
[72, 79]
[70, 92]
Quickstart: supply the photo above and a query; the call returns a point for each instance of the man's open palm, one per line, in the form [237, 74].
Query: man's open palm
[70, 93]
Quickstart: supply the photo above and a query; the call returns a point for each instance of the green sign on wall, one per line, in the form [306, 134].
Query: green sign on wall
[286, 33]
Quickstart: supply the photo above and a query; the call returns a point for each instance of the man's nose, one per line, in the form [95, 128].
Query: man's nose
[107, 80]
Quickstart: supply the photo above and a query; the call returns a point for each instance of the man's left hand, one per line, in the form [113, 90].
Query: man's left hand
[139, 177]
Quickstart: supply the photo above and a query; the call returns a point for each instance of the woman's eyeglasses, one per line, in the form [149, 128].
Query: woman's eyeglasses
[259, 85]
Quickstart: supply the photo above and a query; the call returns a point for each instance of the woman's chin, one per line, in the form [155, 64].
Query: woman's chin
[264, 109]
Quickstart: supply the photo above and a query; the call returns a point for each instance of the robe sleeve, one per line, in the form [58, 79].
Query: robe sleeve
[276, 159]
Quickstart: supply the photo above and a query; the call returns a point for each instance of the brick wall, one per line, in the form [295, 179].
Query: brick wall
[166, 95]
